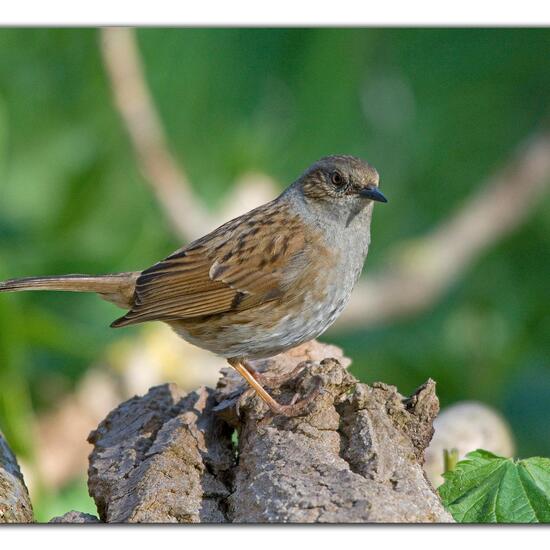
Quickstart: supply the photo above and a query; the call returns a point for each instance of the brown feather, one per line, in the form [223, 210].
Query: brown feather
[117, 288]
[242, 264]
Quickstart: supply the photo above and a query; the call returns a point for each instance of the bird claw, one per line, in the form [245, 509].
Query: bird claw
[273, 381]
[294, 408]
[294, 398]
[298, 408]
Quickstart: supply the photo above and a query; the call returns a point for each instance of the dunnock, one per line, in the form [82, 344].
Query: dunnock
[260, 284]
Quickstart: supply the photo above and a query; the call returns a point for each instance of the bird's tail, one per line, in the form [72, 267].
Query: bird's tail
[117, 288]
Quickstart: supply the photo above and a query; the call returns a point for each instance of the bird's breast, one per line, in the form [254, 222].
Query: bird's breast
[311, 299]
[304, 311]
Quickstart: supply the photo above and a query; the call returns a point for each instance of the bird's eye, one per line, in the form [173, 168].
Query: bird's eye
[337, 178]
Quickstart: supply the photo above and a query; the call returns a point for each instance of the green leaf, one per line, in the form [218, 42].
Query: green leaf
[485, 488]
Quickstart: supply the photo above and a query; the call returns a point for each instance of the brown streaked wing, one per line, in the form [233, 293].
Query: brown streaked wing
[246, 262]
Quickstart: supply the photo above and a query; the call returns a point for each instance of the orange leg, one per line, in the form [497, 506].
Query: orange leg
[294, 409]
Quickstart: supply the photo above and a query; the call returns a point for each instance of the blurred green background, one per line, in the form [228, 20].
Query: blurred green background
[435, 110]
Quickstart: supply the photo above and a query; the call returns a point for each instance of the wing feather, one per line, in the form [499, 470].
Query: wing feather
[246, 262]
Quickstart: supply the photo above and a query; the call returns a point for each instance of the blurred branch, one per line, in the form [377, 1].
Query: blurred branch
[169, 182]
[419, 271]
[185, 211]
[423, 269]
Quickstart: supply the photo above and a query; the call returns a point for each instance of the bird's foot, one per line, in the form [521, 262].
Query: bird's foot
[298, 407]
[273, 380]
[294, 408]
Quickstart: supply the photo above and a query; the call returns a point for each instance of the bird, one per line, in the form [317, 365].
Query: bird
[260, 284]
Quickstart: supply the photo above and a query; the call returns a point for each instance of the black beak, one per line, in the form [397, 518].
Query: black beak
[373, 194]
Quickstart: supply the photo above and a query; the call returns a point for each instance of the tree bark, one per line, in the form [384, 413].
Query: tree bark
[15, 504]
[75, 517]
[216, 455]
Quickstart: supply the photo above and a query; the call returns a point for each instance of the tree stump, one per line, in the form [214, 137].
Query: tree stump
[216, 456]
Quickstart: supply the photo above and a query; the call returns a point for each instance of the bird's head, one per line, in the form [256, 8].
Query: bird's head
[341, 180]
[339, 191]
